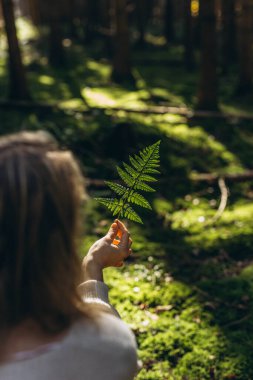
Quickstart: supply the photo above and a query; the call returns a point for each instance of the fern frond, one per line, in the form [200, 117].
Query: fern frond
[130, 170]
[144, 187]
[114, 205]
[130, 214]
[125, 177]
[135, 177]
[139, 200]
[118, 189]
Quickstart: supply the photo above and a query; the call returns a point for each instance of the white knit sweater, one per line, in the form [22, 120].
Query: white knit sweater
[105, 350]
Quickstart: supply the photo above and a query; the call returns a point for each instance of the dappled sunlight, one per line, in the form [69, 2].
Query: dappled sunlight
[26, 29]
[47, 80]
[235, 224]
[101, 68]
[115, 97]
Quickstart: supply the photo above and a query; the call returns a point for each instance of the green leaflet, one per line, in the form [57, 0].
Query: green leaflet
[135, 176]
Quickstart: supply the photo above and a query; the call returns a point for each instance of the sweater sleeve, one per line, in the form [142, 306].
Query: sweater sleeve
[96, 293]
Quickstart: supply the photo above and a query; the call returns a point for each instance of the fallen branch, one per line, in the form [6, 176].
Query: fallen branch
[213, 177]
[238, 321]
[159, 110]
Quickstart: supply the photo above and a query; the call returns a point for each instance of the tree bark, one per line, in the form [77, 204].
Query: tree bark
[208, 86]
[169, 30]
[34, 11]
[17, 79]
[55, 16]
[91, 20]
[228, 34]
[56, 51]
[188, 36]
[245, 47]
[121, 71]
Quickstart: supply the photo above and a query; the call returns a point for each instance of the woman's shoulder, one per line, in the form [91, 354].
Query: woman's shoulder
[105, 327]
[109, 341]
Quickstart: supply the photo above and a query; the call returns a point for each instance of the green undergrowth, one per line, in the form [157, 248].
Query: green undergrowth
[187, 290]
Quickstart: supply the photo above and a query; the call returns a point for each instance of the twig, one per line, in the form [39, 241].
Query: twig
[238, 321]
[223, 203]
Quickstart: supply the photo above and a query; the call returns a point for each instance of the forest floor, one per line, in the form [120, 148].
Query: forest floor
[187, 291]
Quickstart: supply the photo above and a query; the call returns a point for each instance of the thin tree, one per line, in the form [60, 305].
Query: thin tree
[228, 33]
[122, 70]
[18, 88]
[169, 30]
[188, 36]
[143, 14]
[245, 47]
[208, 85]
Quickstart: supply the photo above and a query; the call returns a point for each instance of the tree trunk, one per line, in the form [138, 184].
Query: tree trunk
[121, 71]
[228, 34]
[56, 51]
[34, 11]
[143, 12]
[17, 80]
[208, 86]
[169, 30]
[188, 36]
[245, 51]
[55, 13]
[91, 20]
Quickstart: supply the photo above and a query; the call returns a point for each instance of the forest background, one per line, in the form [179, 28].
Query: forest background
[109, 77]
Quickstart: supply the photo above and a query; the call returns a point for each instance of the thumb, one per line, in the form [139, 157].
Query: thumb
[112, 233]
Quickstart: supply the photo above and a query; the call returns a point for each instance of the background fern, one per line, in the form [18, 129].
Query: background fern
[135, 175]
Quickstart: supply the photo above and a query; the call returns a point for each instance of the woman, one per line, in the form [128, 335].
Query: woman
[55, 318]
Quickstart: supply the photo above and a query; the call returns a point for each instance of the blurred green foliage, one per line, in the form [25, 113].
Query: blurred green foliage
[187, 291]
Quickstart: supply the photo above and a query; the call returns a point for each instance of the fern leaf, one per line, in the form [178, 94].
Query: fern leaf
[130, 214]
[144, 187]
[130, 170]
[114, 205]
[147, 178]
[144, 166]
[135, 164]
[125, 177]
[139, 200]
[151, 171]
[118, 189]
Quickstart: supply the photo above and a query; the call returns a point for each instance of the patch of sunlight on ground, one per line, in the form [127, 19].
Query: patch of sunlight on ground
[74, 103]
[26, 30]
[45, 79]
[101, 68]
[155, 40]
[236, 222]
[115, 97]
[153, 119]
[198, 138]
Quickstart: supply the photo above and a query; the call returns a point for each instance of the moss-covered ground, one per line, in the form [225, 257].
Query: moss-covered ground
[187, 291]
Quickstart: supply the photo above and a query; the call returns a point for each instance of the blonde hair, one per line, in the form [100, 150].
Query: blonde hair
[41, 189]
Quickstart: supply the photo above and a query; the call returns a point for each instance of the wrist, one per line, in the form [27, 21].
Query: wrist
[91, 269]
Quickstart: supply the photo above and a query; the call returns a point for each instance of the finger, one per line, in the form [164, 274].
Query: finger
[112, 233]
[121, 224]
[123, 245]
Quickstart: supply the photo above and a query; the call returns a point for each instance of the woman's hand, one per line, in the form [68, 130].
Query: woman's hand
[109, 251]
